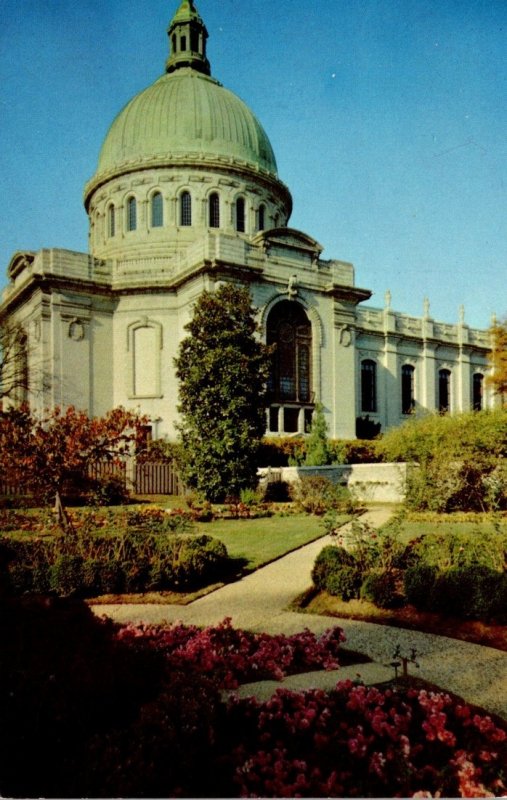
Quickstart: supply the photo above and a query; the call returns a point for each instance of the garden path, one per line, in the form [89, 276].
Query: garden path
[259, 602]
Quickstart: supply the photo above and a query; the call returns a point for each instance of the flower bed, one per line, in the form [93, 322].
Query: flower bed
[365, 742]
[90, 709]
[235, 656]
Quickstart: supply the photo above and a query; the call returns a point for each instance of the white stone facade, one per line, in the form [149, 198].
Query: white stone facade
[198, 205]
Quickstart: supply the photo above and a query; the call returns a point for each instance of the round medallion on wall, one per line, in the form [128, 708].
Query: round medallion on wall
[76, 330]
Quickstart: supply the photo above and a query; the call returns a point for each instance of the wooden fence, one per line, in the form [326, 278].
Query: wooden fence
[150, 477]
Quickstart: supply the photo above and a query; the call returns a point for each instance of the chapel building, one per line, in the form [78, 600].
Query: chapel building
[186, 196]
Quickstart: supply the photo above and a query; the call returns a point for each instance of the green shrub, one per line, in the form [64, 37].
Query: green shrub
[102, 577]
[498, 608]
[66, 575]
[345, 582]
[277, 492]
[20, 579]
[137, 576]
[330, 559]
[381, 588]
[276, 452]
[201, 560]
[467, 592]
[460, 457]
[110, 491]
[419, 581]
[316, 494]
[476, 548]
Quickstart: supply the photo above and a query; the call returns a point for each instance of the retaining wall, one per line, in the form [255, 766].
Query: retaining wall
[374, 483]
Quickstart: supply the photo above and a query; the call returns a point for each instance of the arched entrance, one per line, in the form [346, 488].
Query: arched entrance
[290, 384]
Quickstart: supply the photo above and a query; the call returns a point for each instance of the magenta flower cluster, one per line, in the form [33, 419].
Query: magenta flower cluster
[235, 656]
[365, 742]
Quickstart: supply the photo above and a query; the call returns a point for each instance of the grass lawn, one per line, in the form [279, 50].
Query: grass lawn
[259, 541]
[421, 523]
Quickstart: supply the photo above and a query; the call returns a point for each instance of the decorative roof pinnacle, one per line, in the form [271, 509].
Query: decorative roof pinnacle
[187, 40]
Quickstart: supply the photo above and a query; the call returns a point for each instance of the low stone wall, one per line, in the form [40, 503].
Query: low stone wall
[374, 483]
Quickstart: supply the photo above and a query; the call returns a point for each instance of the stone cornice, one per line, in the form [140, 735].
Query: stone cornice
[193, 161]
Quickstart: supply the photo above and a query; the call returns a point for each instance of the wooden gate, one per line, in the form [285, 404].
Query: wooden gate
[157, 477]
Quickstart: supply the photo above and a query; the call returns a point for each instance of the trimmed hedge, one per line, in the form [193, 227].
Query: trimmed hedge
[382, 589]
[330, 560]
[143, 563]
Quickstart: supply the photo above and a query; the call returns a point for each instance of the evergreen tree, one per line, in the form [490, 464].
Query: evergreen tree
[222, 368]
[318, 453]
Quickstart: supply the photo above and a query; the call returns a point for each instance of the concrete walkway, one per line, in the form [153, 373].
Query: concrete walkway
[259, 602]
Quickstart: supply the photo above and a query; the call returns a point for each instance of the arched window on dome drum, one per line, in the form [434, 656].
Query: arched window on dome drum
[240, 215]
[289, 329]
[444, 390]
[407, 389]
[175, 43]
[368, 386]
[131, 214]
[183, 43]
[261, 218]
[111, 221]
[477, 391]
[185, 209]
[214, 211]
[157, 210]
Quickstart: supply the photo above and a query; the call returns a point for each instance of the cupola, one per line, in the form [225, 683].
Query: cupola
[187, 40]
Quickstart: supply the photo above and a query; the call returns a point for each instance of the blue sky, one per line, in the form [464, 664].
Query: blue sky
[388, 119]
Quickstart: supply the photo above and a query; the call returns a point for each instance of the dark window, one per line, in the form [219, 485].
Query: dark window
[111, 221]
[240, 215]
[214, 211]
[174, 43]
[261, 221]
[444, 390]
[185, 209]
[477, 391]
[289, 330]
[290, 420]
[273, 419]
[131, 214]
[183, 43]
[157, 210]
[368, 386]
[407, 389]
[194, 41]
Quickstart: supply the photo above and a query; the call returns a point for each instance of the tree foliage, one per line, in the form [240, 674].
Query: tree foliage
[318, 452]
[42, 453]
[461, 458]
[222, 368]
[498, 360]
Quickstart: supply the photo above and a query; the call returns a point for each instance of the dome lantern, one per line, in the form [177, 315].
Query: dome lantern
[187, 40]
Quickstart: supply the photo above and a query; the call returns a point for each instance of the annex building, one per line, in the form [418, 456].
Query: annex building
[186, 195]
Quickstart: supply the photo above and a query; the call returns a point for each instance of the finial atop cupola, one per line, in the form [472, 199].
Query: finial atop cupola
[187, 40]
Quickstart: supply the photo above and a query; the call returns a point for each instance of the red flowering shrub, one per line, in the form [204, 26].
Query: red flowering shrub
[364, 742]
[234, 656]
[90, 709]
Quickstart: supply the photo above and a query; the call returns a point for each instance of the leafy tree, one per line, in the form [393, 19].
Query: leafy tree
[498, 360]
[318, 452]
[222, 368]
[42, 453]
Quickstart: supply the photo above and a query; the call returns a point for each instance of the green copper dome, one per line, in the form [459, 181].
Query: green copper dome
[185, 114]
[185, 118]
